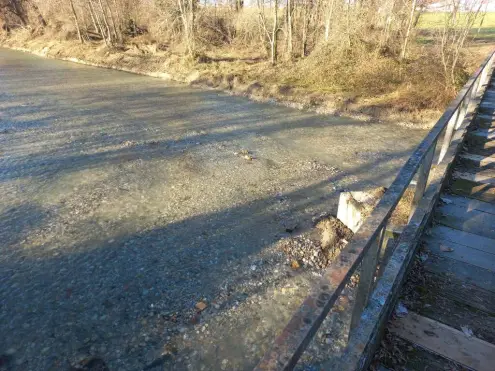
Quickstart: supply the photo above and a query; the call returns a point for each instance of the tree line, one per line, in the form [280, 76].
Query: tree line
[286, 29]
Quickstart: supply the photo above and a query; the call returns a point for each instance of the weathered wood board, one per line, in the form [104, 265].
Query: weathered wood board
[461, 253]
[446, 341]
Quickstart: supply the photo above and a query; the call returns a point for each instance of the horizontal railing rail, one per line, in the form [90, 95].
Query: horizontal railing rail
[368, 244]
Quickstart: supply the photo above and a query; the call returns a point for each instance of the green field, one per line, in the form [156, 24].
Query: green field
[434, 21]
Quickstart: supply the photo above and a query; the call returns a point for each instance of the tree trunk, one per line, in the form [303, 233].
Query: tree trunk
[93, 18]
[103, 33]
[289, 22]
[275, 33]
[76, 21]
[105, 21]
[118, 36]
[187, 13]
[120, 24]
[408, 31]
[328, 19]
[239, 4]
[304, 36]
[192, 15]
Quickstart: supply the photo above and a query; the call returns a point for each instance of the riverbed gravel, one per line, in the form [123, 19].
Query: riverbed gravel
[141, 221]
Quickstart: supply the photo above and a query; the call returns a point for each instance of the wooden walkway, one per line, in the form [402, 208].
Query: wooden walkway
[450, 297]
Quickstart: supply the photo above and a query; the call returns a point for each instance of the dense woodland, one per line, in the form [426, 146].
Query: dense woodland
[332, 40]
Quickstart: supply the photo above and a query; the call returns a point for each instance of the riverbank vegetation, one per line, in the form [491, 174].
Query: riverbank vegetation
[362, 57]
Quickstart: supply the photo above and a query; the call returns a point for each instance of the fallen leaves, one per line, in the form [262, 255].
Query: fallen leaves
[201, 306]
[467, 331]
[445, 248]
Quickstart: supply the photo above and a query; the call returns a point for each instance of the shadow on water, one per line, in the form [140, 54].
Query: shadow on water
[169, 268]
[122, 295]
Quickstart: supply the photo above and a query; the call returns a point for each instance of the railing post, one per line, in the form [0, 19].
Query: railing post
[366, 279]
[462, 112]
[423, 174]
[484, 75]
[476, 87]
[449, 132]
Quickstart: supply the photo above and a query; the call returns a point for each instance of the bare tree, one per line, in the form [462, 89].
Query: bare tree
[76, 21]
[187, 9]
[454, 33]
[289, 15]
[104, 19]
[330, 6]
[304, 27]
[408, 30]
[270, 33]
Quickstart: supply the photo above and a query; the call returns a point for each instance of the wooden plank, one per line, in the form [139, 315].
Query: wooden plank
[480, 143]
[483, 192]
[479, 150]
[470, 274]
[438, 291]
[474, 221]
[467, 204]
[446, 341]
[443, 308]
[463, 238]
[489, 98]
[484, 121]
[421, 359]
[487, 107]
[465, 294]
[486, 176]
[485, 133]
[486, 116]
[416, 358]
[477, 161]
[471, 221]
[461, 253]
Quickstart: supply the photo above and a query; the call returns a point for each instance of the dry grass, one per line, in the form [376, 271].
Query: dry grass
[357, 81]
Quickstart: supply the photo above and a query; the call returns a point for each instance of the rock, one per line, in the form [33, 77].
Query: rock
[225, 362]
[354, 207]
[194, 319]
[90, 364]
[294, 264]
[201, 306]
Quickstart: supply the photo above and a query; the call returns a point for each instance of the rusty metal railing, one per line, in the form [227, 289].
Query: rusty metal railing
[364, 249]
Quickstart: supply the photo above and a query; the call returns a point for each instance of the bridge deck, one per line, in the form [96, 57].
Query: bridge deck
[451, 294]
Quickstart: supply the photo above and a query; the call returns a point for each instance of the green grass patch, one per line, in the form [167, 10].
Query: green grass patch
[430, 23]
[435, 20]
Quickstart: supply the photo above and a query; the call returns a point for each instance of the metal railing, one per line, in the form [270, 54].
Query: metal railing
[365, 247]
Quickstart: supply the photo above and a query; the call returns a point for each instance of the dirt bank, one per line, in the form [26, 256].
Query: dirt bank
[237, 76]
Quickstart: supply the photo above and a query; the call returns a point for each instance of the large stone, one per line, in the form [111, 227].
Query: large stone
[354, 207]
